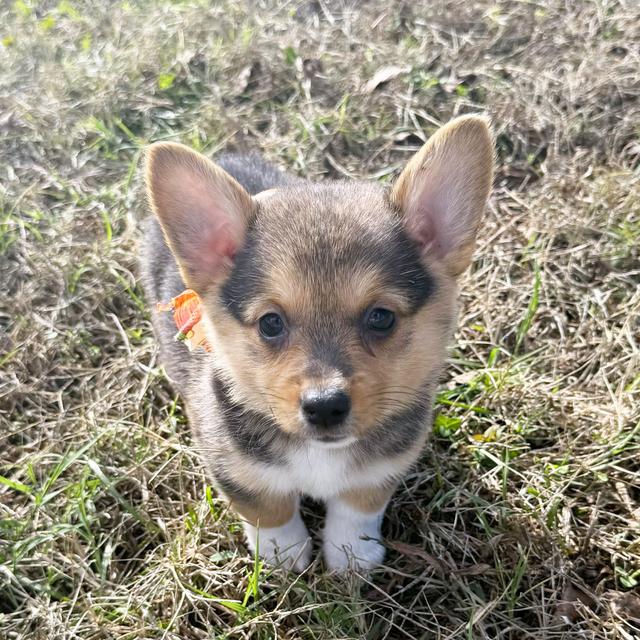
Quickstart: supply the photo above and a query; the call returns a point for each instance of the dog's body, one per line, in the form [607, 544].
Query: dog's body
[328, 308]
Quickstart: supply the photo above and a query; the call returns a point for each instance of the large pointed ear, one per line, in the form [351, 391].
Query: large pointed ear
[443, 190]
[202, 210]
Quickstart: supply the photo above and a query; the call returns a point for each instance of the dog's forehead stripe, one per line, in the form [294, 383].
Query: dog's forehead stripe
[360, 266]
[325, 254]
[328, 349]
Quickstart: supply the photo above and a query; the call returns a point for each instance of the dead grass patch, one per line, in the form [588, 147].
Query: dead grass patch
[522, 520]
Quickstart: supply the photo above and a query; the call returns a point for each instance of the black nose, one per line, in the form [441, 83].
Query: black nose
[326, 408]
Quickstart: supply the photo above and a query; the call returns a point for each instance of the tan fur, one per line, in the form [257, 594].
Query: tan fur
[368, 500]
[398, 371]
[287, 291]
[267, 512]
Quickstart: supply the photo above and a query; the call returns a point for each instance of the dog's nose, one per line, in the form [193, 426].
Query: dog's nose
[326, 408]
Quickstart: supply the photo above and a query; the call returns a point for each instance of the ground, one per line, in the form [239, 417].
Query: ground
[522, 519]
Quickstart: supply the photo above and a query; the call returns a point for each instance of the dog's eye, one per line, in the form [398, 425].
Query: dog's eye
[380, 320]
[271, 325]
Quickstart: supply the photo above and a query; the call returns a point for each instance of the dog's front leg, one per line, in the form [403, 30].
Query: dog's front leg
[273, 526]
[352, 538]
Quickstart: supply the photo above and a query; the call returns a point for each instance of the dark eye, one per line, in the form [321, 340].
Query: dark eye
[380, 320]
[271, 325]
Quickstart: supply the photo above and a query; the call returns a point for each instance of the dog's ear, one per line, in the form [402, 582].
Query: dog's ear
[202, 210]
[443, 190]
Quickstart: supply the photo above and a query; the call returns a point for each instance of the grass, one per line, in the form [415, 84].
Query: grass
[522, 519]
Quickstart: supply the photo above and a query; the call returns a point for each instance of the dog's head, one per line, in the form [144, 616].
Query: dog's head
[329, 305]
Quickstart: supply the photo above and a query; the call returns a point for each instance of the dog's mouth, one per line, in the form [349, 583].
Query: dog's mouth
[332, 441]
[334, 437]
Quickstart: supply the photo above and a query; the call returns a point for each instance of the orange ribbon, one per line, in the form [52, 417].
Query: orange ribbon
[187, 315]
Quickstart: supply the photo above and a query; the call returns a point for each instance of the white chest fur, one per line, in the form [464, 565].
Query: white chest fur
[323, 473]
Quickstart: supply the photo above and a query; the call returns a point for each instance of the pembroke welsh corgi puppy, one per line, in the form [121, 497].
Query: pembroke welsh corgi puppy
[325, 310]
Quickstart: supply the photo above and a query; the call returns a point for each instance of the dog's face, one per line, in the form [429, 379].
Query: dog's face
[328, 306]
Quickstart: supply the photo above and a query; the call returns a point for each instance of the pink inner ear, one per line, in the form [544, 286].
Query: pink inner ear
[421, 227]
[209, 235]
[427, 219]
[216, 249]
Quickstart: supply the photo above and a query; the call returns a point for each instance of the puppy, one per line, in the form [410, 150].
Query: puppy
[328, 308]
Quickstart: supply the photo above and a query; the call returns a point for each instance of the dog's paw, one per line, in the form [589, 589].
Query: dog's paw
[352, 539]
[288, 546]
[362, 554]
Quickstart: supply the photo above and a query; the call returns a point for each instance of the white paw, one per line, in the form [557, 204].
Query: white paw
[352, 538]
[288, 545]
[350, 555]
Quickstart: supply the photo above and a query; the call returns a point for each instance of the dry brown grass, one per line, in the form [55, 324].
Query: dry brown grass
[523, 518]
